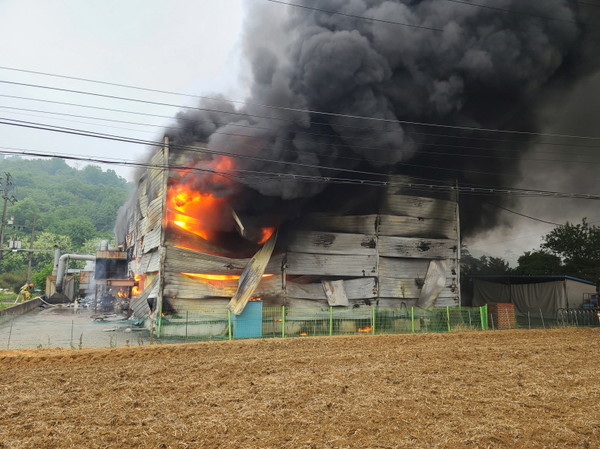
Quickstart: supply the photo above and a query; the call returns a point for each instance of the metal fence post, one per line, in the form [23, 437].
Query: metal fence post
[448, 318]
[330, 321]
[186, 325]
[229, 333]
[412, 319]
[483, 315]
[10, 331]
[282, 321]
[373, 320]
[542, 317]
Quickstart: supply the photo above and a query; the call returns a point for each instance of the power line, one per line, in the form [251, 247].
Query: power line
[353, 16]
[403, 164]
[328, 114]
[225, 100]
[515, 12]
[472, 190]
[521, 214]
[424, 152]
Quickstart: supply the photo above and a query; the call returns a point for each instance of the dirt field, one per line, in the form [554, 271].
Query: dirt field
[504, 389]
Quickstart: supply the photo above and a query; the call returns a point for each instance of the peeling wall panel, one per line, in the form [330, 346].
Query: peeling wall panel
[359, 288]
[407, 288]
[152, 239]
[185, 261]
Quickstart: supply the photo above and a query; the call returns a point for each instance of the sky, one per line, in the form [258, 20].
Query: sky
[194, 48]
[178, 46]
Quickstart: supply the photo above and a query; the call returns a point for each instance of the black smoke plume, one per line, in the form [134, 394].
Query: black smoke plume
[458, 65]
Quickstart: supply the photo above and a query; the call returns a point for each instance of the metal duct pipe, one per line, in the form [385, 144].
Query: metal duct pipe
[62, 267]
[56, 259]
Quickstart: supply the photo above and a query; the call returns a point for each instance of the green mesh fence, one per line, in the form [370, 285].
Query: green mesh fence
[208, 323]
[71, 327]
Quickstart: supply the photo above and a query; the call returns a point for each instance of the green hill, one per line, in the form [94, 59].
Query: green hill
[70, 207]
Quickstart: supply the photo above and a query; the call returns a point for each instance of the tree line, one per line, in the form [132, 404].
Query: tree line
[72, 208]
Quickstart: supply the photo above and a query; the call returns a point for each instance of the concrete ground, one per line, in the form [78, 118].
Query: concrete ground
[68, 326]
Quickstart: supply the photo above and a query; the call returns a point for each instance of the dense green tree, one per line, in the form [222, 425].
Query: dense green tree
[578, 246]
[539, 263]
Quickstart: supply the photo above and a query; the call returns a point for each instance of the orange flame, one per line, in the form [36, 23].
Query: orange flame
[122, 293]
[365, 330]
[202, 213]
[265, 234]
[139, 288]
[303, 334]
[218, 277]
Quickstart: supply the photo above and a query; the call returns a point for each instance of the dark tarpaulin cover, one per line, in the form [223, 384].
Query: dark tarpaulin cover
[545, 296]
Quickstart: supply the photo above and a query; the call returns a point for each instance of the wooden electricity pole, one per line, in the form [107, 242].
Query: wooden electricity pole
[6, 188]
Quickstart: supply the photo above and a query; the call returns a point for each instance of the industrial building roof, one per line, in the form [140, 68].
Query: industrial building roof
[527, 279]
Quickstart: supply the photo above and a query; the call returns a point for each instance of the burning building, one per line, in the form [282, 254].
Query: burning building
[389, 245]
[311, 191]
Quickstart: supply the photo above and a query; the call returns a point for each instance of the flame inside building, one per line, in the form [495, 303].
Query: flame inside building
[388, 247]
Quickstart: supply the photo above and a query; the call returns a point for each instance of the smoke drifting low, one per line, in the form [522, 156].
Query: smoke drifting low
[467, 66]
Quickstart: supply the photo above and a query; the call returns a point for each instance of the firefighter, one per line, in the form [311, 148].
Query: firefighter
[25, 292]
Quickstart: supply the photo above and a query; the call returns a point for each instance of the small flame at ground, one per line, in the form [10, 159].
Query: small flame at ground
[122, 293]
[365, 330]
[303, 334]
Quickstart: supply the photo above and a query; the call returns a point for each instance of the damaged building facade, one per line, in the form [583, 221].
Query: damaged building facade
[394, 246]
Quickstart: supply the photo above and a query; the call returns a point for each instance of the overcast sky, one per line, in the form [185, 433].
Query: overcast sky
[190, 47]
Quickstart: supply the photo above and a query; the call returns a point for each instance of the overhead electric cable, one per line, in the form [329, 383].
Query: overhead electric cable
[170, 127]
[353, 16]
[515, 12]
[522, 215]
[400, 163]
[220, 99]
[321, 178]
[329, 114]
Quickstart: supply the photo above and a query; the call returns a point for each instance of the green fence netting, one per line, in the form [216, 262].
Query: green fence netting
[282, 322]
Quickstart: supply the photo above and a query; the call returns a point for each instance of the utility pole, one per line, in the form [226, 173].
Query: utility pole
[31, 252]
[6, 188]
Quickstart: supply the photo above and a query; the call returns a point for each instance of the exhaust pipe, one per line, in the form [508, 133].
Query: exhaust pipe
[62, 267]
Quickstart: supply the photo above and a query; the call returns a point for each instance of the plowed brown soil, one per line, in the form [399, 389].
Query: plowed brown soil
[505, 389]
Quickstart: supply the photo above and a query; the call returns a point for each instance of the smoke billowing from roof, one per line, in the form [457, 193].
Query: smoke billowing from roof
[484, 68]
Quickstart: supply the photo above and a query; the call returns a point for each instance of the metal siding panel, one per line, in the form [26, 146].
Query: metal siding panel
[332, 243]
[152, 239]
[361, 224]
[402, 268]
[409, 247]
[185, 261]
[181, 286]
[395, 225]
[419, 207]
[360, 288]
[331, 265]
